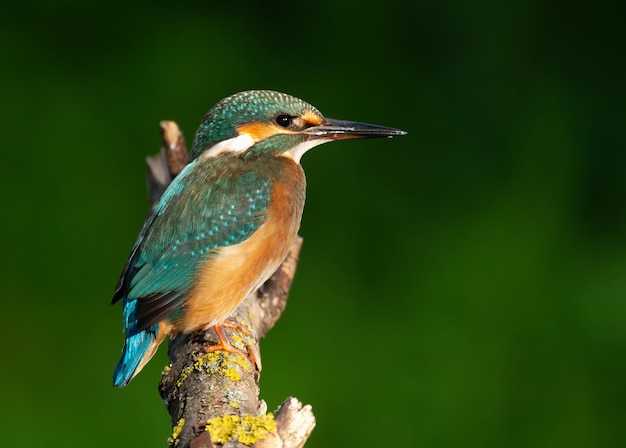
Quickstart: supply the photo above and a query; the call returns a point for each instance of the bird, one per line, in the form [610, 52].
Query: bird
[226, 222]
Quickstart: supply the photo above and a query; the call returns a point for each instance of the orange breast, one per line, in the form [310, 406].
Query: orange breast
[235, 271]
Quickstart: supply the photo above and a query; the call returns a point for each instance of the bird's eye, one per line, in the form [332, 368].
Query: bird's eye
[284, 120]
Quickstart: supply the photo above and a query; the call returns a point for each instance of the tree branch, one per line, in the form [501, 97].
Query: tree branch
[213, 396]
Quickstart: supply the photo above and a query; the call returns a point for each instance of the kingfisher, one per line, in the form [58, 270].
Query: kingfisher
[226, 222]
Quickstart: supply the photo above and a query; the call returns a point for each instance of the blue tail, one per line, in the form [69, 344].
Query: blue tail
[136, 347]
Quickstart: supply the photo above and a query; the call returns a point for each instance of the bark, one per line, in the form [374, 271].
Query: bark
[213, 396]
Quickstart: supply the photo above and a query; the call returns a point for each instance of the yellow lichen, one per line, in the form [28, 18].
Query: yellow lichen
[244, 323]
[232, 374]
[243, 362]
[176, 430]
[184, 375]
[208, 361]
[246, 429]
[238, 342]
[216, 363]
[233, 404]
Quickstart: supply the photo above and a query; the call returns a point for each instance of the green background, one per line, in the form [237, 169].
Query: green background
[463, 286]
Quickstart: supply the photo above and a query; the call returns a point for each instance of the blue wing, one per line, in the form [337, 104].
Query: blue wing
[202, 210]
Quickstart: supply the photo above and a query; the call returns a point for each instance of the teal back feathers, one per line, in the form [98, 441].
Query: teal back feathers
[205, 208]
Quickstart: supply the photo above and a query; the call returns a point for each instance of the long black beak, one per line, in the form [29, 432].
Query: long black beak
[341, 129]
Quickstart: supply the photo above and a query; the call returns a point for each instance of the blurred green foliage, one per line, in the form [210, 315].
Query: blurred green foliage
[463, 286]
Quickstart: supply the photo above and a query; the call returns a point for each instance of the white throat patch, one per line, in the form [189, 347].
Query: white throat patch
[297, 152]
[237, 144]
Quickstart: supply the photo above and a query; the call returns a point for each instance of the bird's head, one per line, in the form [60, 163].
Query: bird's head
[267, 123]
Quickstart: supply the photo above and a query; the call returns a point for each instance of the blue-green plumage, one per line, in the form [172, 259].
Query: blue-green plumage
[243, 189]
[210, 204]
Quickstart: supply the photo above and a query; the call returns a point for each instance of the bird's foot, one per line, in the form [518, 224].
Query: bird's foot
[243, 341]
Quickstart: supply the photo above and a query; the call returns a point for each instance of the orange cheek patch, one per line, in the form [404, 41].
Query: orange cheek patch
[312, 118]
[258, 131]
